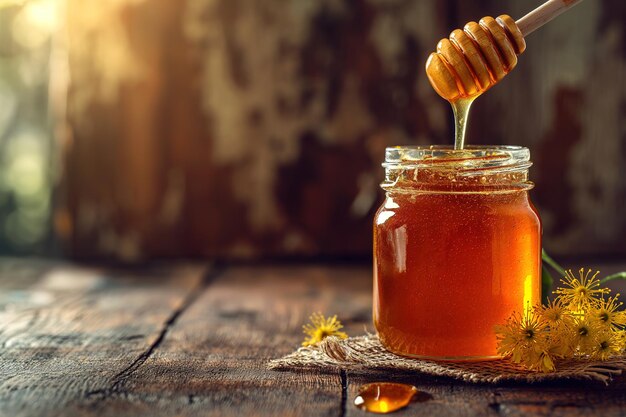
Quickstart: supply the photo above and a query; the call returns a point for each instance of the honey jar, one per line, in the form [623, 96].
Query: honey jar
[457, 247]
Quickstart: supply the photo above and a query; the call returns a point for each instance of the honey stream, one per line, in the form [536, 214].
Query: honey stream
[471, 61]
[461, 108]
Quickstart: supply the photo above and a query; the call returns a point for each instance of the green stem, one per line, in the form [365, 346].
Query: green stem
[619, 275]
[546, 283]
[547, 259]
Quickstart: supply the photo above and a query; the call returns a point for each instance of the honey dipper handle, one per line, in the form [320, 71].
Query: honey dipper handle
[543, 14]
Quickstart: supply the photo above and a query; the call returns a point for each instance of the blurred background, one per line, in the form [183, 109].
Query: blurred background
[255, 129]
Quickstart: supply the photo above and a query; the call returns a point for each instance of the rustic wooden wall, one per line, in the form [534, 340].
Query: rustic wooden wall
[246, 128]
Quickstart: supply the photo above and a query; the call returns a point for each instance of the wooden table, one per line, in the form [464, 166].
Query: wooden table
[190, 339]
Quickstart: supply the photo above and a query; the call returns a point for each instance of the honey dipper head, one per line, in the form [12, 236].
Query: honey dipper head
[472, 60]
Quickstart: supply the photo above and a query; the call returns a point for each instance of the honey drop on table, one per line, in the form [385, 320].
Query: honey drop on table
[384, 397]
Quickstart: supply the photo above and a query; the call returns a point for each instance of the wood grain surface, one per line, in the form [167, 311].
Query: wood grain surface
[189, 340]
[245, 129]
[76, 331]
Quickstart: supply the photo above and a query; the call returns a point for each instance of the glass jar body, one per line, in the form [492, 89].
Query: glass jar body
[450, 263]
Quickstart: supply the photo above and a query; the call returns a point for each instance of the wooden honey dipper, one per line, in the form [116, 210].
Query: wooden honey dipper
[474, 59]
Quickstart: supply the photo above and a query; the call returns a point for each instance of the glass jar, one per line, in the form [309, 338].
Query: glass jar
[457, 249]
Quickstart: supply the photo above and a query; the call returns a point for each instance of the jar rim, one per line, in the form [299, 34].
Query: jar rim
[446, 156]
[499, 168]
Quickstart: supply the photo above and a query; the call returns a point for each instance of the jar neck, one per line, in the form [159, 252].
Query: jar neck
[441, 169]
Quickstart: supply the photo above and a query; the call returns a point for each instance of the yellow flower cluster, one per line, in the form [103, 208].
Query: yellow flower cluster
[320, 328]
[582, 321]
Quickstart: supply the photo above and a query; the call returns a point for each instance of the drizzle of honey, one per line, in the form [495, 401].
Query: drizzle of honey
[461, 108]
[471, 61]
[386, 397]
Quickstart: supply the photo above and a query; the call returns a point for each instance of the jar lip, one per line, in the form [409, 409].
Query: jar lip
[446, 155]
[499, 168]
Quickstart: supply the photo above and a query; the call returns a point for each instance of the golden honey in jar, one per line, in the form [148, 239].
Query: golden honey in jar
[457, 246]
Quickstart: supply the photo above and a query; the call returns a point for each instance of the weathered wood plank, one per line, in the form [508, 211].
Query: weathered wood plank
[82, 330]
[78, 355]
[213, 360]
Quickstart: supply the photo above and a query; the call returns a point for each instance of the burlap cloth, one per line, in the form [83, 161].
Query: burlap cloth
[365, 353]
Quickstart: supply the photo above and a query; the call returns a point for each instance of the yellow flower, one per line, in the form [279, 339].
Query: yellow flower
[586, 332]
[606, 312]
[559, 321]
[554, 313]
[320, 328]
[581, 322]
[620, 337]
[543, 362]
[579, 293]
[607, 344]
[524, 339]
